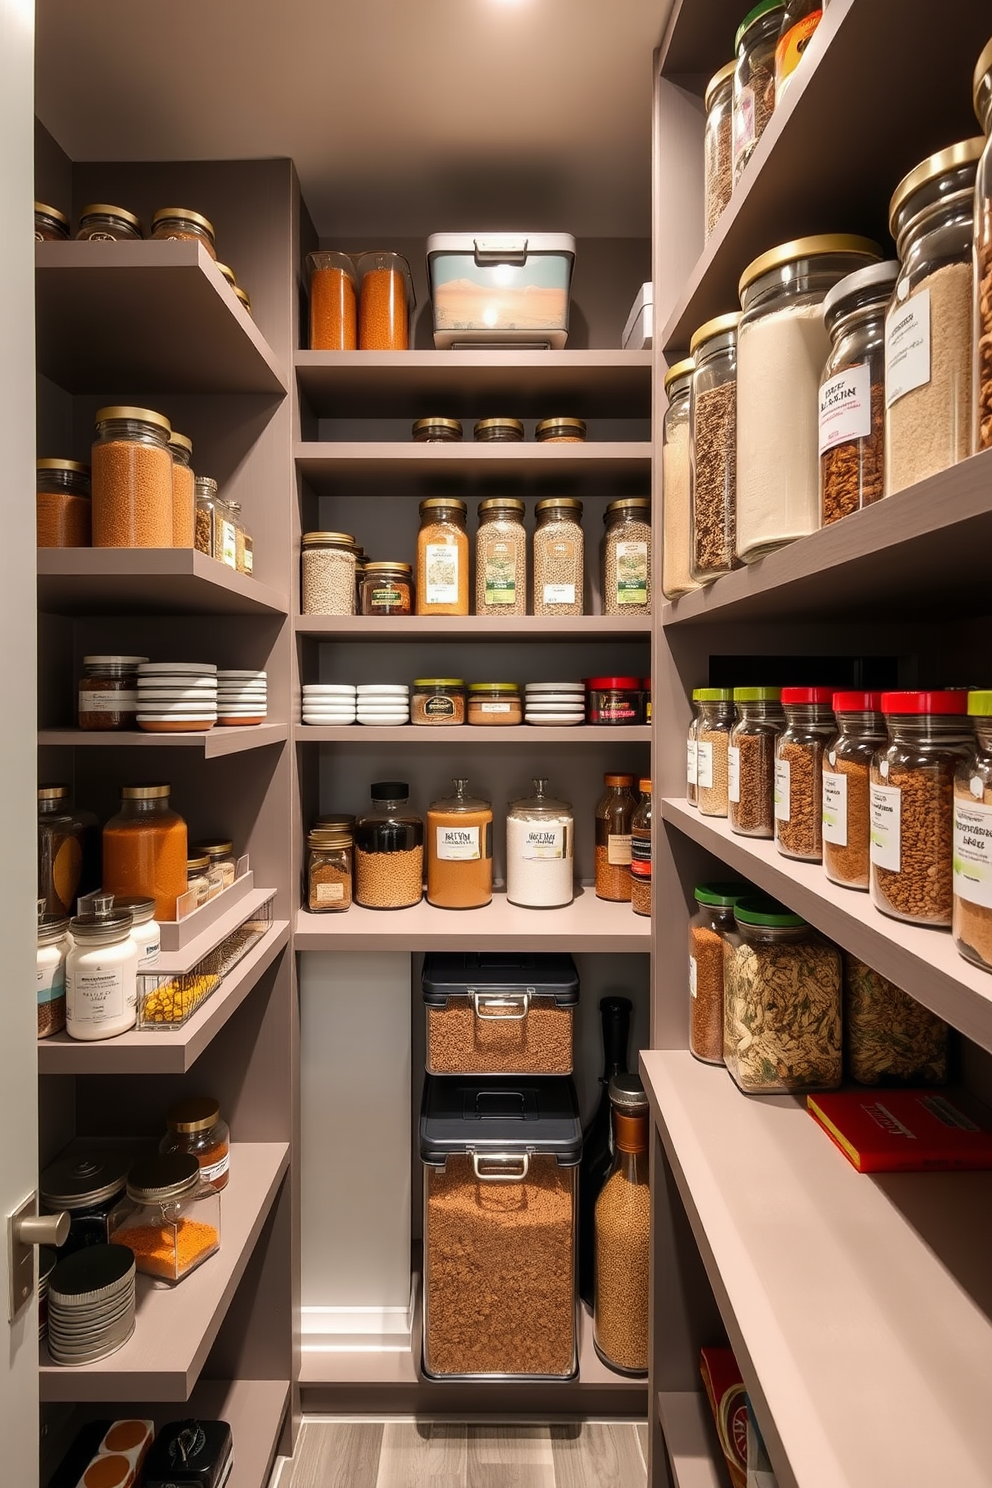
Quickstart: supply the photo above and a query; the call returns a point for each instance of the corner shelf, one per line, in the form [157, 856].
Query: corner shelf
[147, 581]
[690, 1439]
[467, 735]
[215, 743]
[392, 628]
[392, 467]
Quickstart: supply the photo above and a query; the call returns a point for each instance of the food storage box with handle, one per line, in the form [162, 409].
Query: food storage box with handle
[500, 289]
[499, 1012]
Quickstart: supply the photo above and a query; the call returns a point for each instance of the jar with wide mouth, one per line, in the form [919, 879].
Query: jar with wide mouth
[69, 856]
[101, 988]
[195, 1127]
[62, 489]
[754, 78]
[495, 704]
[437, 431]
[145, 849]
[183, 491]
[169, 1218]
[889, 1037]
[846, 767]
[782, 346]
[220, 851]
[971, 921]
[50, 225]
[982, 310]
[132, 479]
[691, 744]
[929, 413]
[333, 302]
[560, 431]
[89, 1182]
[676, 501]
[498, 431]
[327, 567]
[108, 692]
[460, 850]
[53, 947]
[716, 719]
[641, 852]
[625, 557]
[501, 558]
[330, 870]
[205, 498]
[202, 881]
[540, 835]
[438, 702]
[386, 302]
[614, 702]
[718, 145]
[102, 222]
[623, 1236]
[442, 557]
[559, 557]
[799, 749]
[713, 450]
[614, 814]
[709, 929]
[751, 760]
[912, 804]
[389, 850]
[145, 931]
[386, 588]
[182, 223]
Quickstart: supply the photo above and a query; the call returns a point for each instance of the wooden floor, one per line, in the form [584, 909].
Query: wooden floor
[421, 1454]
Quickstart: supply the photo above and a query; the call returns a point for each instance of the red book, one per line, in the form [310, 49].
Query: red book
[906, 1131]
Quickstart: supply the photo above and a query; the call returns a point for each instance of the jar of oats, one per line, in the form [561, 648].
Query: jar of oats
[809, 725]
[501, 558]
[559, 557]
[846, 812]
[751, 760]
[442, 557]
[971, 922]
[626, 557]
[328, 573]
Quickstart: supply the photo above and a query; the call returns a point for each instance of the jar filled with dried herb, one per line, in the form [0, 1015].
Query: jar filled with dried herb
[62, 490]
[442, 557]
[389, 850]
[329, 869]
[713, 449]
[709, 928]
[809, 726]
[754, 78]
[460, 850]
[640, 852]
[132, 479]
[751, 760]
[614, 814]
[982, 313]
[889, 1038]
[676, 577]
[205, 494]
[718, 145]
[716, 719]
[623, 1236]
[972, 883]
[846, 769]
[501, 558]
[559, 557]
[625, 557]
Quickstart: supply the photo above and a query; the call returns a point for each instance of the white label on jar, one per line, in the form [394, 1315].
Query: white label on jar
[690, 762]
[50, 981]
[845, 407]
[704, 765]
[886, 827]
[458, 844]
[441, 565]
[783, 790]
[149, 953]
[97, 994]
[743, 121]
[543, 842]
[494, 708]
[329, 893]
[210, 1172]
[632, 573]
[733, 773]
[907, 347]
[973, 852]
[692, 976]
[835, 809]
[618, 850]
[108, 702]
[228, 544]
[559, 594]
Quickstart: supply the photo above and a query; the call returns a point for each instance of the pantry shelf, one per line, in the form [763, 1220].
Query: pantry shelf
[215, 743]
[176, 1326]
[858, 1306]
[147, 581]
[390, 468]
[592, 735]
[153, 315]
[474, 627]
[690, 1437]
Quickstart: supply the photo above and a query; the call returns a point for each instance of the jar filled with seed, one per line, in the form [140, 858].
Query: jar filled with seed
[438, 702]
[889, 1037]
[182, 223]
[389, 850]
[691, 741]
[713, 450]
[50, 225]
[716, 719]
[640, 852]
[559, 557]
[101, 222]
[386, 588]
[386, 302]
[442, 557]
[333, 302]
[499, 431]
[709, 928]
[183, 490]
[625, 557]
[676, 577]
[623, 1236]
[972, 883]
[205, 493]
[912, 812]
[62, 489]
[328, 573]
[782, 1002]
[846, 784]
[754, 78]
[436, 431]
[329, 869]
[718, 145]
[751, 760]
[132, 479]
[560, 431]
[501, 558]
[809, 726]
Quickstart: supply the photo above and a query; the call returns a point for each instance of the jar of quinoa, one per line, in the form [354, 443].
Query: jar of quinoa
[327, 564]
[971, 922]
[846, 783]
[182, 223]
[809, 725]
[751, 761]
[63, 504]
[501, 558]
[386, 302]
[132, 479]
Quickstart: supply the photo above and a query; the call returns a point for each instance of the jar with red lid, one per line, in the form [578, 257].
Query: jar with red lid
[614, 701]
[809, 725]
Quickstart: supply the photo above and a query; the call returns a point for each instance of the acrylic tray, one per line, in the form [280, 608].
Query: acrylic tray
[168, 997]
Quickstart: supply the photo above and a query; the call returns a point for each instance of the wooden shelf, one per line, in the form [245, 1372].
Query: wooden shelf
[690, 1438]
[590, 735]
[858, 1307]
[920, 960]
[154, 316]
[215, 743]
[147, 581]
[389, 468]
[522, 628]
[176, 1326]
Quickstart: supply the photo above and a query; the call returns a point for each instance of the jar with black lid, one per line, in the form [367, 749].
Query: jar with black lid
[437, 431]
[50, 225]
[389, 850]
[101, 222]
[499, 430]
[88, 1182]
[180, 222]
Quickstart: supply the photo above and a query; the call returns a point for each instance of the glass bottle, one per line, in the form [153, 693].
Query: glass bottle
[225, 545]
[182, 223]
[625, 557]
[196, 1127]
[709, 927]
[540, 834]
[800, 20]
[982, 313]
[846, 768]
[675, 495]
[389, 850]
[597, 1139]
[101, 989]
[713, 450]
[101, 222]
[799, 748]
[971, 922]
[640, 852]
[718, 145]
[234, 507]
[751, 761]
[460, 850]
[386, 302]
[385, 588]
[333, 302]
[53, 947]
[716, 719]
[754, 78]
[442, 558]
[145, 849]
[68, 849]
[169, 1218]
[623, 1237]
[108, 693]
[613, 817]
[131, 478]
[145, 930]
[205, 489]
[183, 491]
[501, 558]
[63, 508]
[329, 874]
[558, 583]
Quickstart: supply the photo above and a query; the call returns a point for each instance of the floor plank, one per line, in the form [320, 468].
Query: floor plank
[336, 1454]
[641, 1427]
[510, 1457]
[595, 1455]
[421, 1455]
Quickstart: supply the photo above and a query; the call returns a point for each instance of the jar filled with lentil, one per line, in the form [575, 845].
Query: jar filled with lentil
[799, 748]
[846, 785]
[184, 225]
[716, 719]
[614, 814]
[912, 804]
[183, 491]
[501, 558]
[718, 146]
[333, 302]
[329, 869]
[889, 1037]
[442, 557]
[713, 450]
[438, 701]
[389, 850]
[437, 431]
[50, 225]
[205, 493]
[640, 852]
[560, 431]
[971, 922]
[559, 557]
[751, 760]
[108, 693]
[460, 850]
[691, 741]
[327, 565]
[676, 501]
[495, 704]
[101, 222]
[196, 1127]
[498, 431]
[386, 589]
[386, 302]
[623, 1236]
[132, 479]
[625, 557]
[63, 505]
[225, 532]
[709, 928]
[168, 1218]
[754, 78]
[982, 310]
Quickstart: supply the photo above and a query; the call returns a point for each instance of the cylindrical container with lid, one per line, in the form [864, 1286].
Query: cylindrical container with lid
[614, 701]
[751, 760]
[108, 692]
[982, 315]
[846, 766]
[540, 833]
[53, 947]
[499, 1012]
[145, 930]
[327, 566]
[501, 558]
[145, 849]
[560, 431]
[614, 814]
[889, 1037]
[169, 1218]
[183, 491]
[50, 225]
[68, 849]
[495, 704]
[438, 702]
[718, 145]
[389, 850]
[433, 430]
[640, 852]
[713, 449]
[799, 748]
[912, 804]
[101, 990]
[386, 588]
[716, 719]
[182, 223]
[782, 1003]
[386, 302]
[559, 557]
[220, 851]
[132, 479]
[62, 492]
[498, 431]
[676, 577]
[781, 350]
[625, 557]
[442, 557]
[460, 850]
[971, 922]
[928, 329]
[754, 78]
[205, 495]
[709, 929]
[333, 302]
[87, 1181]
[691, 741]
[102, 222]
[623, 1236]
[201, 885]
[330, 869]
[196, 1127]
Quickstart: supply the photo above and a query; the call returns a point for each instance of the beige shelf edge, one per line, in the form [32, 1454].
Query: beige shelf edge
[469, 734]
[102, 581]
[472, 627]
[215, 743]
[522, 456]
[687, 1426]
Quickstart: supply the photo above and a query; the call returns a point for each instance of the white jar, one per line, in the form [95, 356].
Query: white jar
[53, 944]
[539, 834]
[145, 930]
[101, 991]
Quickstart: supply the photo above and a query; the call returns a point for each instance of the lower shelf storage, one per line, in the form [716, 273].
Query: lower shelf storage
[690, 1439]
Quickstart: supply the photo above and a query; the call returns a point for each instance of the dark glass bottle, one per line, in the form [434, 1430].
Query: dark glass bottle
[597, 1141]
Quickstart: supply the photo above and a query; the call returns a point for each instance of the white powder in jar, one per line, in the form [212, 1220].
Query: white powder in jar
[539, 869]
[675, 503]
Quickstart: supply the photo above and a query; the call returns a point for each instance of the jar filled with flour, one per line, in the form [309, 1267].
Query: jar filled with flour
[539, 834]
[782, 345]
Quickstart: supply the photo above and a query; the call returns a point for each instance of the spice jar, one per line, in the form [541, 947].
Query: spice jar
[640, 852]
[53, 947]
[625, 557]
[540, 834]
[234, 507]
[614, 813]
[439, 701]
[183, 491]
[754, 78]
[386, 302]
[501, 558]
[560, 431]
[889, 1038]
[460, 850]
[442, 557]
[205, 492]
[88, 1182]
[846, 769]
[100, 222]
[716, 719]
[676, 578]
[101, 989]
[68, 849]
[713, 450]
[225, 539]
[614, 701]
[928, 329]
[171, 223]
[248, 556]
[50, 225]
[559, 557]
[971, 922]
[195, 1127]
[197, 882]
[168, 1218]
[329, 869]
[144, 849]
[799, 21]
[782, 1002]
[718, 145]
[221, 855]
[145, 932]
[798, 799]
[912, 793]
[781, 350]
[132, 479]
[436, 431]
[389, 850]
[709, 929]
[982, 313]
[108, 692]
[751, 761]
[498, 431]
[333, 302]
[495, 704]
[62, 490]
[327, 563]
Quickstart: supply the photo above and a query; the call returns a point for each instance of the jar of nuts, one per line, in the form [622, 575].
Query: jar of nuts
[716, 718]
[626, 557]
[328, 573]
[751, 760]
[559, 557]
[809, 725]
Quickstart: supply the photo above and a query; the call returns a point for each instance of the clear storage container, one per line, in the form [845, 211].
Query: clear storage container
[50, 225]
[846, 769]
[623, 1236]
[972, 882]
[718, 145]
[540, 837]
[716, 719]
[641, 852]
[501, 558]
[196, 1127]
[709, 929]
[183, 491]
[754, 78]
[499, 1012]
[982, 317]
[327, 564]
[751, 760]
[167, 1000]
[329, 870]
[460, 850]
[625, 557]
[186, 225]
[691, 744]
[389, 850]
[676, 500]
[205, 495]
[108, 693]
[69, 851]
[385, 588]
[614, 814]
[500, 290]
[713, 450]
[132, 479]
[169, 1219]
[62, 489]
[333, 302]
[145, 849]
[559, 557]
[102, 222]
[889, 1038]
[386, 302]
[809, 726]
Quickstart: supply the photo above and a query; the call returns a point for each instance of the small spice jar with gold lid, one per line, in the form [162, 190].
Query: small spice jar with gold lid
[561, 431]
[330, 863]
[437, 431]
[499, 430]
[186, 225]
[386, 589]
[50, 225]
[63, 504]
[195, 1126]
[103, 223]
[220, 854]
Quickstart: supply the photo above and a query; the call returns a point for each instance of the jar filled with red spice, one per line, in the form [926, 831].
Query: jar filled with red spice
[168, 1218]
[195, 1126]
[614, 701]
[63, 503]
[386, 302]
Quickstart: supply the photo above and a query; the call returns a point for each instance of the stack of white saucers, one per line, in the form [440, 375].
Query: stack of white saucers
[329, 704]
[383, 704]
[242, 697]
[555, 704]
[177, 697]
[91, 1304]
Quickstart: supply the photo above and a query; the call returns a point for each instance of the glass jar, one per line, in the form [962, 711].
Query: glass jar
[912, 810]
[205, 492]
[53, 947]
[183, 490]
[234, 507]
[501, 558]
[145, 930]
[50, 225]
[559, 557]
[327, 566]
[982, 312]
[623, 1236]
[389, 850]
[170, 223]
[846, 768]
[132, 479]
[709, 929]
[889, 1037]
[62, 490]
[560, 431]
[199, 882]
[799, 748]
[225, 533]
[498, 431]
[676, 578]
[195, 1127]
[101, 969]
[442, 557]
[101, 222]
[495, 704]
[716, 719]
[782, 1003]
[330, 864]
[168, 1218]
[68, 849]
[438, 701]
[108, 693]
[754, 78]
[800, 20]
[614, 814]
[713, 450]
[614, 701]
[751, 761]
[781, 350]
[460, 850]
[718, 146]
[386, 302]
[88, 1182]
[249, 555]
[145, 849]
[221, 855]
[640, 852]
[333, 302]
[928, 330]
[625, 557]
[436, 431]
[540, 833]
[691, 744]
[971, 921]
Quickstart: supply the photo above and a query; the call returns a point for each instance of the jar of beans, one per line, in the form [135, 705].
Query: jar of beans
[333, 302]
[751, 760]
[912, 794]
[386, 589]
[713, 450]
[809, 726]
[716, 718]
[498, 431]
[559, 557]
[625, 556]
[437, 431]
[389, 850]
[614, 814]
[182, 223]
[386, 302]
[442, 557]
[101, 222]
[183, 490]
[709, 928]
[195, 1126]
[50, 225]
[132, 479]
[329, 869]
[640, 852]
[328, 573]
[501, 558]
[846, 770]
[63, 504]
[718, 144]
[676, 578]
[972, 912]
[560, 431]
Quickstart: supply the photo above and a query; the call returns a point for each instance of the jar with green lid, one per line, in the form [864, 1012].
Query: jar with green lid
[385, 588]
[132, 479]
[754, 78]
[101, 222]
[438, 702]
[751, 760]
[709, 929]
[327, 564]
[889, 1037]
[982, 314]
[50, 225]
[558, 584]
[718, 145]
[495, 704]
[799, 750]
[676, 577]
[560, 431]
[501, 558]
[692, 735]
[625, 557]
[186, 225]
[62, 489]
[971, 922]
[846, 768]
[713, 450]
[437, 431]
[205, 494]
[329, 872]
[499, 430]
[716, 719]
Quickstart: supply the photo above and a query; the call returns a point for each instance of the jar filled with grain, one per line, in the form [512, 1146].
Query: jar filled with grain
[713, 450]
[540, 837]
[782, 1002]
[691, 740]
[205, 494]
[442, 557]
[498, 431]
[50, 225]
[623, 1236]
[718, 145]
[614, 814]
[145, 849]
[132, 479]
[709, 928]
[754, 78]
[329, 869]
[799, 748]
[560, 431]
[333, 302]
[640, 852]
[108, 693]
[225, 532]
[386, 302]
[62, 489]
[889, 1038]
[438, 701]
[928, 329]
[436, 431]
[249, 555]
[501, 558]
[385, 588]
[184, 225]
[751, 760]
[169, 1218]
[460, 850]
[389, 850]
[625, 557]
[846, 784]
[327, 565]
[559, 557]
[912, 804]
[982, 312]
[676, 577]
[971, 923]
[716, 719]
[101, 222]
[183, 491]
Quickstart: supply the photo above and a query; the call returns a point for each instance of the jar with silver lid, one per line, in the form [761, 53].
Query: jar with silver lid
[145, 931]
[540, 835]
[101, 992]
[101, 222]
[88, 1181]
[168, 1218]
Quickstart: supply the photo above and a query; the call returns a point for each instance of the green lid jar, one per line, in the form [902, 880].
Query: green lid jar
[751, 760]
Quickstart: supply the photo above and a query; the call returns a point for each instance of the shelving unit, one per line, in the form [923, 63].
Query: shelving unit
[168, 581]
[474, 627]
[380, 467]
[465, 735]
[213, 743]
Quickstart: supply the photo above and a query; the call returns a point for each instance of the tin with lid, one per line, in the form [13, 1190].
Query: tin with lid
[87, 1181]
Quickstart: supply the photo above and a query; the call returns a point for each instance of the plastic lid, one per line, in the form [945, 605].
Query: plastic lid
[618, 779]
[606, 684]
[457, 973]
[540, 803]
[627, 1094]
[494, 687]
[72, 465]
[140, 415]
[536, 1114]
[813, 247]
[168, 1175]
[718, 326]
[952, 703]
[141, 909]
[461, 800]
[195, 1114]
[713, 695]
[428, 682]
[757, 694]
[761, 911]
[880, 277]
[759, 10]
[965, 152]
[677, 370]
[717, 894]
[857, 702]
[716, 81]
[980, 703]
[822, 695]
[185, 214]
[389, 790]
[77, 1179]
[105, 209]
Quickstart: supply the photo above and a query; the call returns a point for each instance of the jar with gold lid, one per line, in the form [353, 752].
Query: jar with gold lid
[63, 503]
[386, 589]
[626, 557]
[101, 222]
[132, 479]
[558, 557]
[330, 869]
[50, 225]
[219, 851]
[501, 558]
[442, 557]
[560, 431]
[183, 490]
[188, 226]
[196, 1127]
[437, 431]
[328, 573]
[499, 430]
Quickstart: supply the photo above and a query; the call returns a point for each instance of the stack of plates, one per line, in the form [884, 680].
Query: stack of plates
[91, 1304]
[177, 696]
[329, 703]
[242, 698]
[47, 1261]
[383, 704]
[555, 704]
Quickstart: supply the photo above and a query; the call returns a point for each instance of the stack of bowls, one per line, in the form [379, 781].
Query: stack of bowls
[555, 704]
[91, 1304]
[329, 704]
[383, 704]
[242, 698]
[177, 697]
